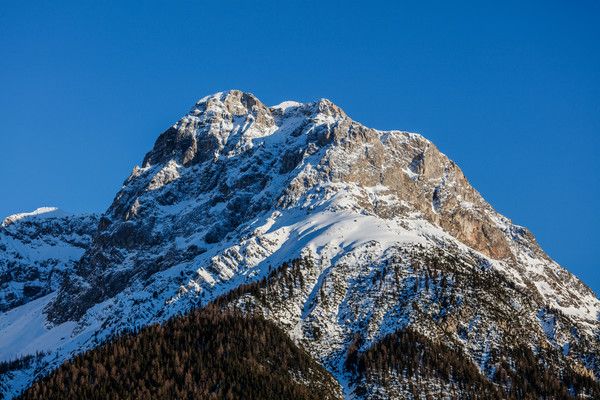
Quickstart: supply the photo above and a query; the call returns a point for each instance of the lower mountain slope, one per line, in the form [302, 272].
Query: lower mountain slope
[228, 349]
[441, 324]
[208, 353]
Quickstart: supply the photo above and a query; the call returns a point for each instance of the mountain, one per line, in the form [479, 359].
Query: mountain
[392, 237]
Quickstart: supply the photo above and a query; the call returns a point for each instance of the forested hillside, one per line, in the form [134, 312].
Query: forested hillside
[409, 362]
[208, 354]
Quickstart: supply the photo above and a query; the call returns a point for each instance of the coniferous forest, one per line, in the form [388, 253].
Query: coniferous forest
[206, 354]
[409, 362]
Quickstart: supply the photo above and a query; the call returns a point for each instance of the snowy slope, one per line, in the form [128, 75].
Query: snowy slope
[395, 234]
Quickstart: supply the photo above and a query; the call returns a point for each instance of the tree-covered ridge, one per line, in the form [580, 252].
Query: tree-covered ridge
[208, 353]
[407, 362]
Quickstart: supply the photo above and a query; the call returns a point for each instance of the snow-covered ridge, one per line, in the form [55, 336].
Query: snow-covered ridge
[42, 212]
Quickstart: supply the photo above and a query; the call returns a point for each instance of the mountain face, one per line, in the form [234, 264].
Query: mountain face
[392, 236]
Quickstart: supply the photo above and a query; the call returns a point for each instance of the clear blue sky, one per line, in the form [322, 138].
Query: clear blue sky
[511, 92]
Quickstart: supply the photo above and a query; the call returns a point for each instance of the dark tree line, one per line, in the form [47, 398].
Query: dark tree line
[409, 354]
[527, 378]
[285, 278]
[20, 362]
[208, 353]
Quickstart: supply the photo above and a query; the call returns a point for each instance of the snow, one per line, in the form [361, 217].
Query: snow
[42, 212]
[287, 104]
[467, 204]
[36, 251]
[23, 330]
[169, 173]
[558, 293]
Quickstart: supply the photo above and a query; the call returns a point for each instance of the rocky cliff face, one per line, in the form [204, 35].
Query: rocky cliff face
[235, 158]
[394, 232]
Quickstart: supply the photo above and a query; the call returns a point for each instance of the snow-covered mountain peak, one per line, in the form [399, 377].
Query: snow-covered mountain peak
[235, 188]
[233, 102]
[232, 160]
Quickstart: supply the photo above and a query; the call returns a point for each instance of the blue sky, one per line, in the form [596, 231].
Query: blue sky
[511, 92]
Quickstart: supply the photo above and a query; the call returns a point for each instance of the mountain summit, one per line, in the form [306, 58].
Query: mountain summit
[390, 233]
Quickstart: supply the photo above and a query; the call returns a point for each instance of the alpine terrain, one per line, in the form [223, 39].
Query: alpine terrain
[369, 250]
